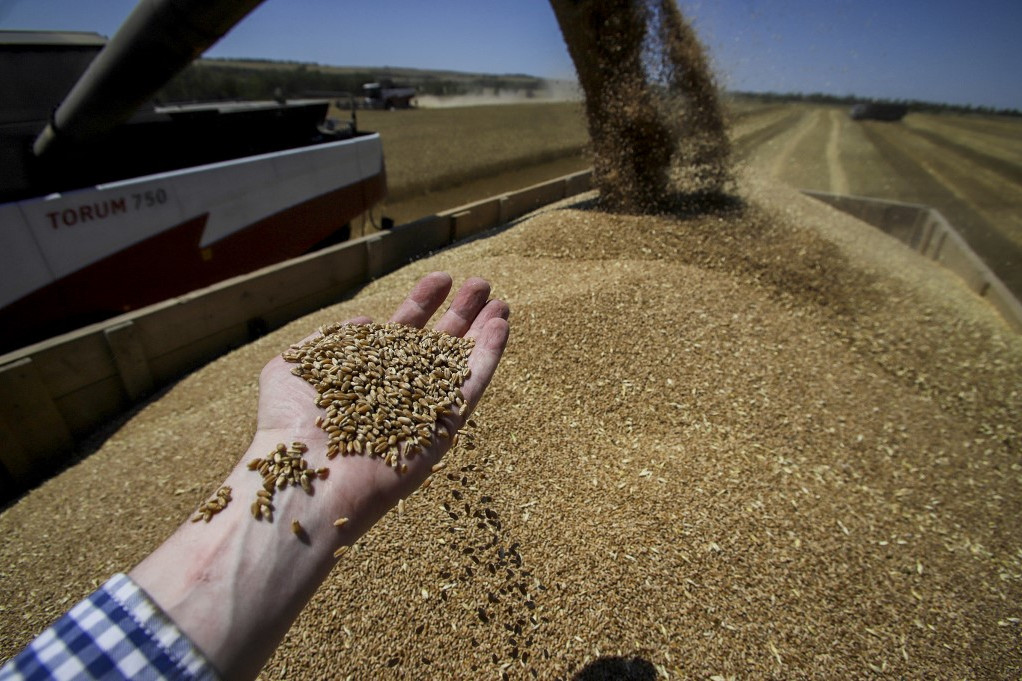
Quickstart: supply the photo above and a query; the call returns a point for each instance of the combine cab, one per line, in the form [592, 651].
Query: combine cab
[878, 112]
[110, 204]
[385, 95]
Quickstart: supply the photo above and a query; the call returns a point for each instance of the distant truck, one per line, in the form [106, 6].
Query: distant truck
[386, 95]
[878, 111]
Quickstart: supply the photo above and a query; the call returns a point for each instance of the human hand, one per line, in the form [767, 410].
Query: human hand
[210, 577]
[361, 487]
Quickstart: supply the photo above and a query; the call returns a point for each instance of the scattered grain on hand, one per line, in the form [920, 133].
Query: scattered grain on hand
[284, 466]
[214, 505]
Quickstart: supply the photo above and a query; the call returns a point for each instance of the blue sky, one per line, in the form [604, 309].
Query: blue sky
[943, 50]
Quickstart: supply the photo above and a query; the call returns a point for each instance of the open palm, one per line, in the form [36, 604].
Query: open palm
[362, 486]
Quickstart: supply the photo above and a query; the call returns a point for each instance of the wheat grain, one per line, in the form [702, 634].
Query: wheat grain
[213, 505]
[383, 387]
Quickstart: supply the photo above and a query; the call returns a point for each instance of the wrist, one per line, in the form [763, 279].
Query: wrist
[234, 579]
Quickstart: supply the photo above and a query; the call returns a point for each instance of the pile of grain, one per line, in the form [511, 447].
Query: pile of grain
[762, 442]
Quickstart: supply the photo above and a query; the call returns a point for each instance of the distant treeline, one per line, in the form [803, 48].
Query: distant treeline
[208, 80]
[851, 100]
[243, 79]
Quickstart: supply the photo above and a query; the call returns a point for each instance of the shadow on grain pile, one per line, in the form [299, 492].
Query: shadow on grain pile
[617, 669]
[723, 233]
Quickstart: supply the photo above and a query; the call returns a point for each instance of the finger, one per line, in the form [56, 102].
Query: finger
[468, 302]
[490, 343]
[494, 309]
[426, 297]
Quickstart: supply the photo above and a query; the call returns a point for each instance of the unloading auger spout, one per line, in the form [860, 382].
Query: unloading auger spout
[158, 40]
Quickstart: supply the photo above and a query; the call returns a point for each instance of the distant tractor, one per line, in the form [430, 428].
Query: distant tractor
[878, 111]
[386, 95]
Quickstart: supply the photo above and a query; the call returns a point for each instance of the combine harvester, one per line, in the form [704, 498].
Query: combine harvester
[111, 204]
[386, 95]
[878, 111]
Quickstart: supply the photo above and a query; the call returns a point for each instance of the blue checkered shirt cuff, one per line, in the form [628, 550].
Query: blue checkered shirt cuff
[115, 633]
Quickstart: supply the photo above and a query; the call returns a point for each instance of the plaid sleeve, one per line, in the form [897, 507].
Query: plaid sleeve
[115, 633]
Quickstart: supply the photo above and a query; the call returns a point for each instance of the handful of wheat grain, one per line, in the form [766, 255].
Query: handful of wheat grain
[384, 387]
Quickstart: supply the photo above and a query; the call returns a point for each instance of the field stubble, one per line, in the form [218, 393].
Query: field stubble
[431, 149]
[968, 167]
[441, 158]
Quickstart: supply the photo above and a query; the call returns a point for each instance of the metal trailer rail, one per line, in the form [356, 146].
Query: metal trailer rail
[926, 231]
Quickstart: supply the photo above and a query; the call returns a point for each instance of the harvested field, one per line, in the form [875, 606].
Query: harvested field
[441, 158]
[416, 206]
[769, 443]
[430, 149]
[968, 167]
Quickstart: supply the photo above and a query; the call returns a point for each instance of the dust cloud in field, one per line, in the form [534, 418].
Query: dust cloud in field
[655, 118]
[552, 91]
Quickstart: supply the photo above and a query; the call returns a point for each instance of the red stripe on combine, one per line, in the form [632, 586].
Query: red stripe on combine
[171, 263]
